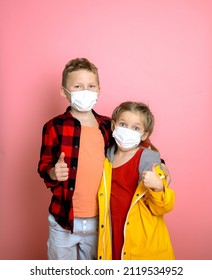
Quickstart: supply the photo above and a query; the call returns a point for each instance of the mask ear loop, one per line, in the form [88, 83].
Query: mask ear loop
[66, 90]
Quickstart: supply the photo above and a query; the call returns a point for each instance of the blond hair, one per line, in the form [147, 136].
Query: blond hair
[78, 64]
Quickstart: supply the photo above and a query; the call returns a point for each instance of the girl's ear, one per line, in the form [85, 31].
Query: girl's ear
[144, 136]
[112, 125]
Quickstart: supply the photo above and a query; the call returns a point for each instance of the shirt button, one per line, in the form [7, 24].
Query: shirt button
[74, 167]
[71, 189]
[76, 146]
[101, 194]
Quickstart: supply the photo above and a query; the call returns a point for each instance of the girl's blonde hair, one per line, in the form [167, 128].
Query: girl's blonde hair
[140, 108]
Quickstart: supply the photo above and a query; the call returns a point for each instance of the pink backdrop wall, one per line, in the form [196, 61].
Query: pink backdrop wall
[157, 51]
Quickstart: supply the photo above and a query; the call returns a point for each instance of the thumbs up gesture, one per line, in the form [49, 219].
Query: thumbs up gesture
[151, 180]
[61, 169]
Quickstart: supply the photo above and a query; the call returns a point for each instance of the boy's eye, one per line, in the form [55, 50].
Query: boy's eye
[77, 86]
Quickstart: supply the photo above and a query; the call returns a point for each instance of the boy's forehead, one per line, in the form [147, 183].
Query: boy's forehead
[82, 75]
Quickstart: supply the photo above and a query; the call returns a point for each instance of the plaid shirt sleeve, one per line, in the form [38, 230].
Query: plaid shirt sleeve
[49, 153]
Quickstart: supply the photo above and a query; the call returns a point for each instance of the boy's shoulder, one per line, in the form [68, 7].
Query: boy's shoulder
[58, 118]
[103, 117]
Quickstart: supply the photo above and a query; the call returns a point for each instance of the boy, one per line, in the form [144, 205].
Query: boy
[71, 163]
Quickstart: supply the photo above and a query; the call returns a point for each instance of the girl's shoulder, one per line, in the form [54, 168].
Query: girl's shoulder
[148, 157]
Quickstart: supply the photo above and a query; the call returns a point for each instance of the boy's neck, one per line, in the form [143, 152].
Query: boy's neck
[85, 118]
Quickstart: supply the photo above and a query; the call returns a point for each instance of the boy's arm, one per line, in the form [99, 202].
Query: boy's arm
[148, 145]
[166, 173]
[48, 154]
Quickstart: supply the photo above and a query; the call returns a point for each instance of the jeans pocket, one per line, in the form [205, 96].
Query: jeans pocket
[51, 220]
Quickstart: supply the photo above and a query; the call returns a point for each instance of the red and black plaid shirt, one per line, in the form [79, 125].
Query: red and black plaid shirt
[62, 134]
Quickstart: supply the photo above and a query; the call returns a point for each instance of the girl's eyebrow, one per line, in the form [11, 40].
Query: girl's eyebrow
[137, 124]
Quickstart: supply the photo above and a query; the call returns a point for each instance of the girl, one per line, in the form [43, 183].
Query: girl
[134, 194]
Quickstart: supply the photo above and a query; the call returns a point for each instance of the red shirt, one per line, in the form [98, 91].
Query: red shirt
[124, 183]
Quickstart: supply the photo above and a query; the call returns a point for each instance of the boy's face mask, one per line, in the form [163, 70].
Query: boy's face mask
[83, 100]
[126, 138]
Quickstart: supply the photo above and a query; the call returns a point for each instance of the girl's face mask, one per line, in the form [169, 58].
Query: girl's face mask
[127, 138]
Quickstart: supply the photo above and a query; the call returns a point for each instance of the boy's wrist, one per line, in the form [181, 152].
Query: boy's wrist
[51, 173]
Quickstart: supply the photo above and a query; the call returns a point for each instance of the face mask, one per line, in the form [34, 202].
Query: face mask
[83, 100]
[126, 137]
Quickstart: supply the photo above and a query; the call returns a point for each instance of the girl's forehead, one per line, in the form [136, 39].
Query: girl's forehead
[131, 116]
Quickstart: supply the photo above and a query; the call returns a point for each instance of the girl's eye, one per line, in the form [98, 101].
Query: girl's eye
[92, 86]
[122, 124]
[136, 128]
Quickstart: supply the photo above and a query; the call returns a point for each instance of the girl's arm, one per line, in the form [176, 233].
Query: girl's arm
[159, 198]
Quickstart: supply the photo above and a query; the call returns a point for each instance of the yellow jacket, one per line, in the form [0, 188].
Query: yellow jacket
[145, 233]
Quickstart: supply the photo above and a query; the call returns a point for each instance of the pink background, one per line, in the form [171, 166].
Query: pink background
[155, 51]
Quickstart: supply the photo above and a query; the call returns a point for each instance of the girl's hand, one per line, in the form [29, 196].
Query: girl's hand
[151, 180]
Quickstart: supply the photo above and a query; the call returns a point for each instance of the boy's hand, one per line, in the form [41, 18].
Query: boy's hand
[60, 171]
[151, 180]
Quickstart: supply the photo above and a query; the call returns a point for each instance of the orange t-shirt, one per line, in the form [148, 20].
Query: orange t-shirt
[89, 172]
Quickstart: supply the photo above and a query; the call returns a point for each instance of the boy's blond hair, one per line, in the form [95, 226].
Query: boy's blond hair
[78, 64]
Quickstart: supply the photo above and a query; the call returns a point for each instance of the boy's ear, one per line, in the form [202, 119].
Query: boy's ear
[62, 92]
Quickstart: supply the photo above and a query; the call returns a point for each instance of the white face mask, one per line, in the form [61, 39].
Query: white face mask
[83, 100]
[127, 138]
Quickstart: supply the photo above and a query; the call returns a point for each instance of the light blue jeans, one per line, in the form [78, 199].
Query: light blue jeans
[79, 245]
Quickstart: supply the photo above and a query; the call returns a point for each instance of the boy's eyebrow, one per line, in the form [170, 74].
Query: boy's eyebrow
[88, 83]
